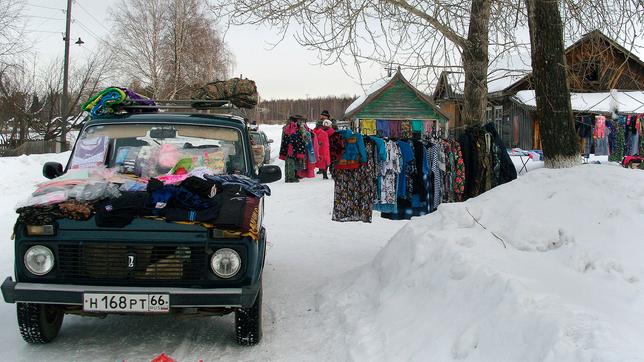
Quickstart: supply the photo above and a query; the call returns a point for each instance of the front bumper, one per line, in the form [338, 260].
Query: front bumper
[179, 297]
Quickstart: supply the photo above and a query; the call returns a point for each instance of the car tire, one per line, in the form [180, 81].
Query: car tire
[248, 323]
[39, 323]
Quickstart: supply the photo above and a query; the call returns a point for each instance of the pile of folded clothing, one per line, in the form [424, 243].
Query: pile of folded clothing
[112, 199]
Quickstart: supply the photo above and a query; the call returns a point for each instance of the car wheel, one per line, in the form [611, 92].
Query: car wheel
[248, 323]
[39, 323]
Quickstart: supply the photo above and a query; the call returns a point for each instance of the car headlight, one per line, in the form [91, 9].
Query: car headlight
[225, 262]
[39, 260]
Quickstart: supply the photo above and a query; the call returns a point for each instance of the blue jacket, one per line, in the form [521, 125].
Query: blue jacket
[355, 151]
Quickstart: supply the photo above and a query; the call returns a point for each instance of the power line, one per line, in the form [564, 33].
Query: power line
[45, 7]
[42, 17]
[87, 29]
[91, 15]
[43, 31]
[93, 35]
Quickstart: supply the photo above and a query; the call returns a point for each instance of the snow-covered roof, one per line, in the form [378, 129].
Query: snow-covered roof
[599, 102]
[502, 81]
[502, 73]
[373, 89]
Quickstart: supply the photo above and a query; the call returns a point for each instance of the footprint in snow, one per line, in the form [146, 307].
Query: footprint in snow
[466, 343]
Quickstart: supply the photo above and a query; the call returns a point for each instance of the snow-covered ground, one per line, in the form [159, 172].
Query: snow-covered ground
[568, 287]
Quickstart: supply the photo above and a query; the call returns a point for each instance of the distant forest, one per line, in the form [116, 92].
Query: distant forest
[277, 111]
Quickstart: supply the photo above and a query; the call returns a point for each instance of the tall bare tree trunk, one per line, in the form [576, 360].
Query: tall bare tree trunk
[552, 90]
[475, 63]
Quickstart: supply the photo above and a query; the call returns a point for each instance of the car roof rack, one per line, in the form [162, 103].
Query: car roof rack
[203, 106]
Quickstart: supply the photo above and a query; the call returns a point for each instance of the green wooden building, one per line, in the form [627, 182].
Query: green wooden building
[395, 99]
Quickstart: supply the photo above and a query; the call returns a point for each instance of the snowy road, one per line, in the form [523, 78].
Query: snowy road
[307, 250]
[559, 280]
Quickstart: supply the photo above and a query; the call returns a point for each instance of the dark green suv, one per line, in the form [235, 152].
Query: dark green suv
[148, 266]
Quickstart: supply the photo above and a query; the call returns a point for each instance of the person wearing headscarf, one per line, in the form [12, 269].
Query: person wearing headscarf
[292, 148]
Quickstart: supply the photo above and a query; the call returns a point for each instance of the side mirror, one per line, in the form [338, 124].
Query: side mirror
[269, 173]
[52, 170]
[270, 141]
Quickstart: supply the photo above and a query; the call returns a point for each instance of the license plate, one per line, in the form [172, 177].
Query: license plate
[135, 303]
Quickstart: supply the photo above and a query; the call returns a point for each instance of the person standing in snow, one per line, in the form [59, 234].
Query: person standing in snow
[322, 137]
[292, 149]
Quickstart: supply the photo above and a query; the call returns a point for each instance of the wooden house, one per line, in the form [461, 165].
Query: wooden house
[596, 64]
[395, 99]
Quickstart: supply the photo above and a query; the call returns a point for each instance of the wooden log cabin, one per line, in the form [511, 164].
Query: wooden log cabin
[596, 64]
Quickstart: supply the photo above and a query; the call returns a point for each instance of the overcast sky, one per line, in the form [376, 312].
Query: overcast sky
[288, 71]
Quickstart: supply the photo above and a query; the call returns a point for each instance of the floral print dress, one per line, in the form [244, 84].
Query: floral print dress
[354, 190]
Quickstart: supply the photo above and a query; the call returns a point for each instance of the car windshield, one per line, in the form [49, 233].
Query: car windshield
[148, 150]
[257, 138]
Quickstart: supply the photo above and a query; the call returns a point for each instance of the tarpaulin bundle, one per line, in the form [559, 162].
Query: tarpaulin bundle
[113, 99]
[240, 92]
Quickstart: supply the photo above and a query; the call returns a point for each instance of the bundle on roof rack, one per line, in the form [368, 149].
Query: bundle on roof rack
[113, 100]
[240, 92]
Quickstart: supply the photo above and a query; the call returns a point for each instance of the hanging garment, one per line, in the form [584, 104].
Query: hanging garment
[507, 171]
[421, 198]
[368, 127]
[404, 180]
[477, 160]
[640, 130]
[611, 133]
[389, 172]
[381, 162]
[416, 202]
[354, 191]
[382, 128]
[459, 173]
[468, 149]
[618, 153]
[436, 176]
[405, 129]
[417, 126]
[427, 124]
[450, 174]
[336, 147]
[394, 129]
[354, 150]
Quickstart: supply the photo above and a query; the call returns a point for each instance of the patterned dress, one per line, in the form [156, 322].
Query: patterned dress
[390, 174]
[355, 190]
[459, 179]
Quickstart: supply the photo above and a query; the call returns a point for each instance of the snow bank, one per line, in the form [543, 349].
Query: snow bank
[567, 288]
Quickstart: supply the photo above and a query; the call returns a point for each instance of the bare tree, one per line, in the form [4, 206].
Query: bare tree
[428, 36]
[140, 26]
[30, 99]
[11, 31]
[165, 46]
[425, 36]
[552, 90]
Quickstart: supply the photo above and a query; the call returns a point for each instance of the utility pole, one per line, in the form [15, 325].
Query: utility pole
[64, 102]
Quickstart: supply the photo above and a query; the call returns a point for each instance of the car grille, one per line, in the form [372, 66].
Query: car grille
[113, 261]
